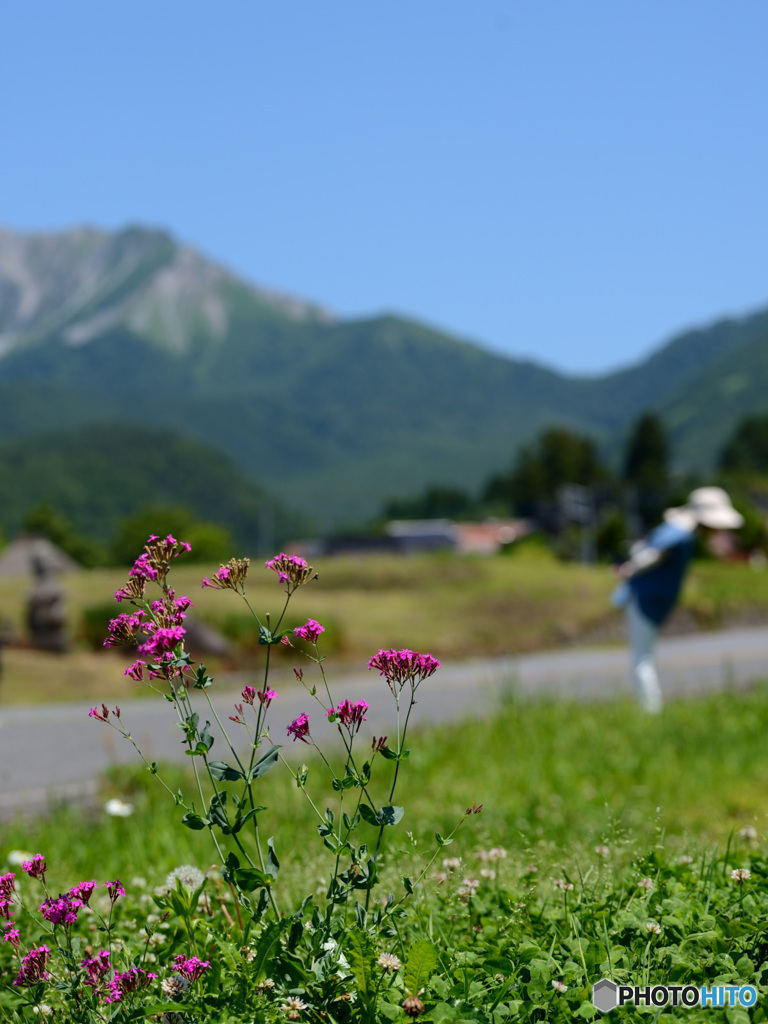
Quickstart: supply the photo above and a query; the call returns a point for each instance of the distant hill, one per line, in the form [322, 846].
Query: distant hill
[331, 416]
[97, 478]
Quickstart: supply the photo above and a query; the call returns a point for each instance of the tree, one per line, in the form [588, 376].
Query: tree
[646, 466]
[746, 451]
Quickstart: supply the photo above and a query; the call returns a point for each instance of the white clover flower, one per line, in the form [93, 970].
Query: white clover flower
[389, 962]
[452, 863]
[558, 986]
[741, 875]
[654, 927]
[560, 883]
[497, 853]
[16, 858]
[440, 877]
[157, 939]
[175, 986]
[138, 882]
[748, 834]
[684, 859]
[603, 851]
[530, 869]
[266, 984]
[488, 873]
[645, 883]
[118, 808]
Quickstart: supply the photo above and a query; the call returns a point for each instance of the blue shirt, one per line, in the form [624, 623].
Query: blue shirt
[656, 589]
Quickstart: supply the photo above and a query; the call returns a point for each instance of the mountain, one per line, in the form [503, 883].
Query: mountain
[331, 416]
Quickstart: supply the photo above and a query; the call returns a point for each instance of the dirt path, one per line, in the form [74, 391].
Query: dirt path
[57, 752]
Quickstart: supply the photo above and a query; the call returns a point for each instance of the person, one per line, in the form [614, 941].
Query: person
[653, 576]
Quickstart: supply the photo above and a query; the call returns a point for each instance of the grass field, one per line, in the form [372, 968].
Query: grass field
[454, 607]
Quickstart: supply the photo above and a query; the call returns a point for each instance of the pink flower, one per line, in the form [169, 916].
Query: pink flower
[36, 867]
[291, 569]
[299, 728]
[249, 694]
[404, 666]
[61, 910]
[136, 671]
[7, 884]
[132, 980]
[162, 640]
[124, 628]
[349, 714]
[310, 631]
[6, 907]
[190, 967]
[83, 891]
[33, 967]
[115, 889]
[12, 935]
[96, 970]
[266, 697]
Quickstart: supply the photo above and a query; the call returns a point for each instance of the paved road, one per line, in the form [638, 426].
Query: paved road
[56, 753]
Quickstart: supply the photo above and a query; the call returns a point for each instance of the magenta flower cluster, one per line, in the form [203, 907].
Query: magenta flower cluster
[97, 970]
[220, 578]
[36, 867]
[33, 967]
[291, 569]
[61, 909]
[190, 967]
[310, 631]
[404, 666]
[349, 713]
[299, 728]
[7, 889]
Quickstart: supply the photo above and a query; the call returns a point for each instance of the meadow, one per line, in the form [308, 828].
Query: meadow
[527, 856]
[457, 607]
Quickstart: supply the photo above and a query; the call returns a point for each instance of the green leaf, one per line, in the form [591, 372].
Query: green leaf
[265, 762]
[388, 754]
[441, 841]
[368, 814]
[421, 965]
[249, 879]
[195, 821]
[390, 815]
[361, 957]
[408, 885]
[223, 772]
[273, 864]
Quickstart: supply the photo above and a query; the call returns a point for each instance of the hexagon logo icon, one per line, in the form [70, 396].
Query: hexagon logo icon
[605, 995]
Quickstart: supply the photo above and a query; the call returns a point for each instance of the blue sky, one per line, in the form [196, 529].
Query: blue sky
[572, 182]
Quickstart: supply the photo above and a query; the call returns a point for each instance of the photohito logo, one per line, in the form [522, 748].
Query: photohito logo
[607, 995]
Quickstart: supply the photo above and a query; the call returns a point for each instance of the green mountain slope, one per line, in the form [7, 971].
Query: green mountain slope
[331, 416]
[98, 477]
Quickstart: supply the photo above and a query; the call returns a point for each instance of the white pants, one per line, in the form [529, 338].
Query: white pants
[642, 641]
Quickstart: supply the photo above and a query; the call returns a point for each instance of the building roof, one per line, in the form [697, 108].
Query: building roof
[19, 557]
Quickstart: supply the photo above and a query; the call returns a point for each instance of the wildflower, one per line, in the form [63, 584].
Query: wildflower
[654, 927]
[249, 694]
[36, 867]
[603, 851]
[7, 884]
[83, 891]
[124, 628]
[474, 809]
[126, 982]
[136, 671]
[741, 875]
[12, 935]
[299, 728]
[467, 888]
[412, 1006]
[190, 967]
[561, 883]
[389, 962]
[684, 859]
[488, 873]
[230, 576]
[748, 834]
[349, 714]
[33, 967]
[115, 890]
[440, 877]
[174, 987]
[96, 970]
[188, 875]
[645, 883]
[452, 863]
[530, 869]
[161, 639]
[266, 697]
[292, 570]
[118, 808]
[61, 909]
[17, 857]
[497, 853]
[293, 1008]
[404, 666]
[558, 986]
[310, 631]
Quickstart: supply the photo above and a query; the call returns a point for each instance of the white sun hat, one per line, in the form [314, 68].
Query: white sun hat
[708, 506]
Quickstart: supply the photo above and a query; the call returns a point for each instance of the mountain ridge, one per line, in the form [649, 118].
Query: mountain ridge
[332, 415]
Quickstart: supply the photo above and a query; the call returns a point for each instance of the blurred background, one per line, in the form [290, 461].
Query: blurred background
[453, 301]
